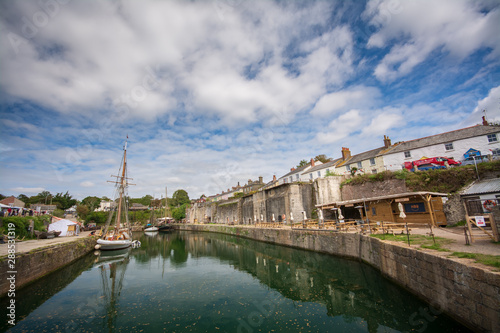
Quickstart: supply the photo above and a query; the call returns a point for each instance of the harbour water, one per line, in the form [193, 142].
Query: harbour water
[205, 282]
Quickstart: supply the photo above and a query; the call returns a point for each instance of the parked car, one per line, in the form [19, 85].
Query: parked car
[431, 163]
[479, 159]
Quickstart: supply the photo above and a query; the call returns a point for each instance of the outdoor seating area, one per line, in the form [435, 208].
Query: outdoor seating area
[353, 226]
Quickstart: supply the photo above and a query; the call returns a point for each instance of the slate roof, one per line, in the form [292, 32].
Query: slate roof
[324, 165]
[460, 134]
[302, 168]
[484, 186]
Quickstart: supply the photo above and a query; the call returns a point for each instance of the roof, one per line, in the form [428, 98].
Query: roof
[302, 168]
[459, 134]
[390, 196]
[484, 186]
[366, 155]
[324, 165]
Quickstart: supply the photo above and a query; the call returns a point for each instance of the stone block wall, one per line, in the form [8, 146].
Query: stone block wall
[373, 189]
[33, 265]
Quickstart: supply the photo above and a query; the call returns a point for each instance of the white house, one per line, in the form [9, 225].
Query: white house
[370, 161]
[321, 170]
[297, 174]
[454, 144]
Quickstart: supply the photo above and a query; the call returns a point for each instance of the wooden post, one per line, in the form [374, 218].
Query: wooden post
[494, 229]
[427, 199]
[468, 219]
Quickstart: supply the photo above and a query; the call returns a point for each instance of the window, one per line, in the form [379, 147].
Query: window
[448, 146]
[359, 165]
[372, 161]
[407, 154]
[348, 168]
[327, 171]
[297, 176]
[311, 176]
[374, 211]
[291, 179]
[496, 152]
[319, 174]
[374, 170]
[492, 137]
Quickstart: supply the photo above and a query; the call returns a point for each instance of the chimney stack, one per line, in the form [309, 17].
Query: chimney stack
[260, 180]
[387, 142]
[485, 123]
[292, 169]
[274, 178]
[312, 162]
[346, 153]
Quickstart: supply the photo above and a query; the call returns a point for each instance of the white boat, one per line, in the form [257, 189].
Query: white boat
[119, 237]
[151, 229]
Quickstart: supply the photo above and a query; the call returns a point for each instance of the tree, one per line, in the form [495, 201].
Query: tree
[82, 211]
[179, 198]
[64, 201]
[91, 202]
[179, 213]
[24, 198]
[322, 158]
[155, 203]
[45, 195]
[302, 163]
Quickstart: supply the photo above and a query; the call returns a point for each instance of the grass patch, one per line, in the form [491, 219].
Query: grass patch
[485, 259]
[425, 242]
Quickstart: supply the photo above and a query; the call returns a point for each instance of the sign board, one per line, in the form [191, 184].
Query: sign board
[350, 205]
[480, 221]
[402, 199]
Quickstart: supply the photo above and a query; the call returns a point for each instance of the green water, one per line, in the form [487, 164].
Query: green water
[203, 282]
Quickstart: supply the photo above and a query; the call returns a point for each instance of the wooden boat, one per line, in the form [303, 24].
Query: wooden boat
[165, 228]
[120, 237]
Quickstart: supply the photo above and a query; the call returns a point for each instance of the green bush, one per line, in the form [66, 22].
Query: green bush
[21, 225]
[98, 218]
[58, 213]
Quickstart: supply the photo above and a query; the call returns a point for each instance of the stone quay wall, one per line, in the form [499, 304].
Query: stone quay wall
[33, 265]
[468, 292]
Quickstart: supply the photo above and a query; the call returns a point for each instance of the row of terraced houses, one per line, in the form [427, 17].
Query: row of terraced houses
[483, 138]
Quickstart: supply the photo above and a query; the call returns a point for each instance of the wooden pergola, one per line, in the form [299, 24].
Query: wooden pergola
[385, 203]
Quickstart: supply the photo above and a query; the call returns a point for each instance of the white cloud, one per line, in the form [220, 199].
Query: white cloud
[28, 190]
[491, 104]
[417, 28]
[343, 100]
[342, 127]
[384, 121]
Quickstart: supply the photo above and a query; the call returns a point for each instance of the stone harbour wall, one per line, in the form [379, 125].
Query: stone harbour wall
[42, 261]
[468, 292]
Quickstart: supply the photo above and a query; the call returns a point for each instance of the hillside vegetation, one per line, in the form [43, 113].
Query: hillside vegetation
[442, 180]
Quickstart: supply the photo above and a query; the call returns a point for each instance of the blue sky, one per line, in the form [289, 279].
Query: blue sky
[212, 93]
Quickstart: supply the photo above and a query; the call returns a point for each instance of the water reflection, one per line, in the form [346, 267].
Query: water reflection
[203, 282]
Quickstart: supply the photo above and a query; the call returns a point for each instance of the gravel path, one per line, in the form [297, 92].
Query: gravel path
[483, 246]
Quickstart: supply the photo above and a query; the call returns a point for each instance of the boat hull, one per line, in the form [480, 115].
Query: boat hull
[151, 229]
[108, 245]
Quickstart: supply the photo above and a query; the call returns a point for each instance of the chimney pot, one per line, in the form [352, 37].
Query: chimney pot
[485, 123]
[346, 153]
[387, 141]
[274, 178]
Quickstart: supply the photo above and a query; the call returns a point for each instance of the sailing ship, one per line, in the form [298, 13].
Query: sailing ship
[164, 221]
[120, 236]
